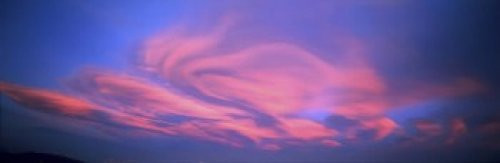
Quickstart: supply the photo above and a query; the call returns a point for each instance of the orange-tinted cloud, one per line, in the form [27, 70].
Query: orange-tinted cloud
[51, 101]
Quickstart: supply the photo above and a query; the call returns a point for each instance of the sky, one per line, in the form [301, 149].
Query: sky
[251, 81]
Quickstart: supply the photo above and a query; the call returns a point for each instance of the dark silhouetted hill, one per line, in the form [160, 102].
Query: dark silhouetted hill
[32, 157]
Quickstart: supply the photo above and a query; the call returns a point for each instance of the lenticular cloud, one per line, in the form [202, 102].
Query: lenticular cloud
[272, 94]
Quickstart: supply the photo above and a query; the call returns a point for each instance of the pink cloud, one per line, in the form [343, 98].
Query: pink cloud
[429, 128]
[331, 143]
[458, 129]
[490, 128]
[280, 80]
[49, 100]
[489, 133]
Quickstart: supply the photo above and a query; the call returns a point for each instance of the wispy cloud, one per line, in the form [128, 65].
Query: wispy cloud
[193, 84]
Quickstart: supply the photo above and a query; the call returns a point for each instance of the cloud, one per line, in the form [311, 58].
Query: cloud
[276, 78]
[429, 128]
[50, 101]
[490, 134]
[458, 129]
[194, 84]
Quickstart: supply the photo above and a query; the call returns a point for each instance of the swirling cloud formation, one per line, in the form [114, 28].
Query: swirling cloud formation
[271, 93]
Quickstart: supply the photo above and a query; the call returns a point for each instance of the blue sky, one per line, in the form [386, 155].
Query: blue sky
[254, 81]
